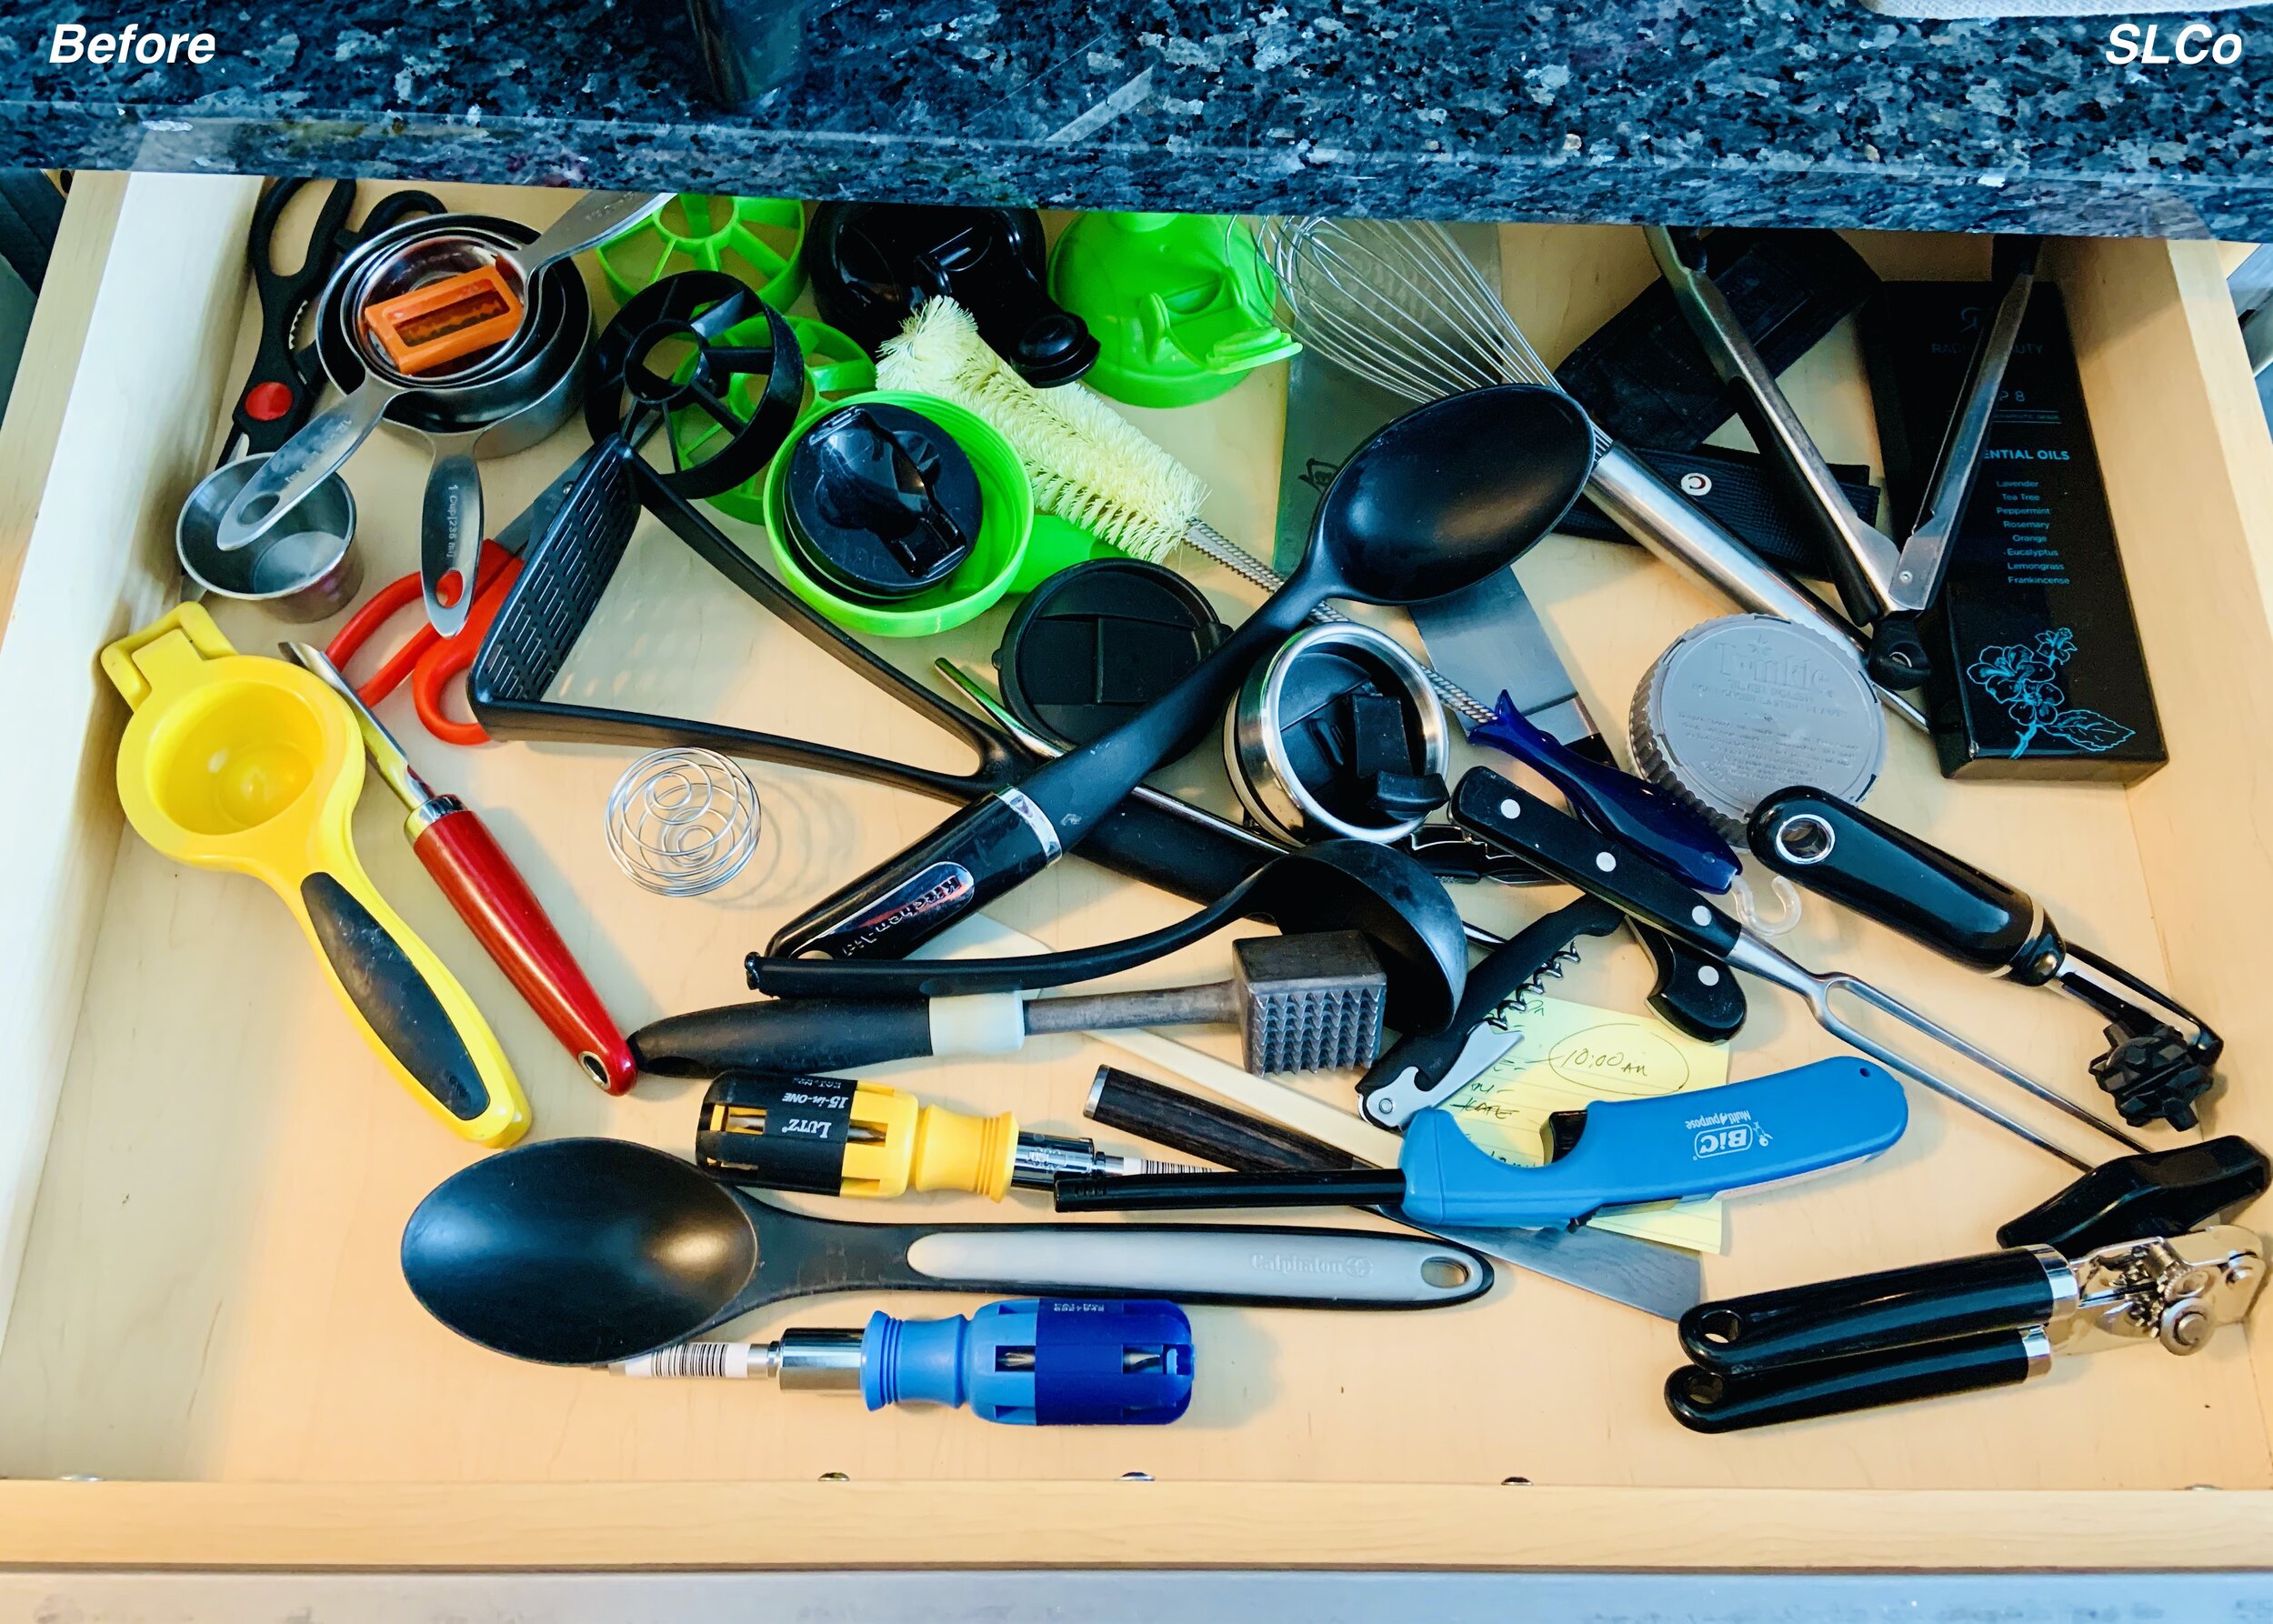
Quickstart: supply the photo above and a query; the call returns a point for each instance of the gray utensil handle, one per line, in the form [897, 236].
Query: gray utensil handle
[1315, 1266]
[306, 460]
[588, 222]
[1658, 517]
[450, 538]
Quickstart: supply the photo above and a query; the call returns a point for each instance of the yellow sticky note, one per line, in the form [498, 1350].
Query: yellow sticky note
[1567, 1056]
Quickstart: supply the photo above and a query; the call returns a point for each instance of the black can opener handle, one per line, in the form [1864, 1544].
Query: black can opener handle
[1877, 1313]
[1707, 1401]
[1833, 847]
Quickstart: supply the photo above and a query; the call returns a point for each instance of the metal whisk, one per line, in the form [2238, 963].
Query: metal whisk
[1399, 305]
[1397, 302]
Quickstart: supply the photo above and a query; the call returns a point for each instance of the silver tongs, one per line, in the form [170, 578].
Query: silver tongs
[1884, 587]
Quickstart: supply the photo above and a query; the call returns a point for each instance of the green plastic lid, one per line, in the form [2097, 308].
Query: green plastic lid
[1181, 305]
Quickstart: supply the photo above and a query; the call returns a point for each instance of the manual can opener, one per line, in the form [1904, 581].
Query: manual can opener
[1993, 1319]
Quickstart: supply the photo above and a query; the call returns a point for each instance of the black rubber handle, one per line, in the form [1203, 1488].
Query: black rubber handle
[1193, 1127]
[865, 978]
[394, 997]
[1193, 1192]
[1694, 992]
[1491, 808]
[269, 418]
[1194, 861]
[1493, 979]
[1896, 1307]
[995, 846]
[989, 847]
[2155, 1192]
[794, 1036]
[1715, 1401]
[1833, 847]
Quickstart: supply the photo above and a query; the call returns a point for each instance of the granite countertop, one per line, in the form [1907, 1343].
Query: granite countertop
[1780, 112]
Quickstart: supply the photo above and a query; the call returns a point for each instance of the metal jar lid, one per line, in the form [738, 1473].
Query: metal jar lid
[1745, 705]
[1295, 771]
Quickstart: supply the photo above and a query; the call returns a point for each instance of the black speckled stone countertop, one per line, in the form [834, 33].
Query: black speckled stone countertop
[1783, 112]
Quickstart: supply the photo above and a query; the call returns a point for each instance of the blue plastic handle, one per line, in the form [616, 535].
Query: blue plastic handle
[1039, 1363]
[1616, 803]
[1668, 1147]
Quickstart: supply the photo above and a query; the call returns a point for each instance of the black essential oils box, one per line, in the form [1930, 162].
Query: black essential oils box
[2038, 672]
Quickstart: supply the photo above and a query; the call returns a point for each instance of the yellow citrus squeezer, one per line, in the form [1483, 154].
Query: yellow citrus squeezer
[249, 765]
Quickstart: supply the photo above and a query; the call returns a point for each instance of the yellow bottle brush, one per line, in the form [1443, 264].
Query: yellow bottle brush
[249, 765]
[836, 1137]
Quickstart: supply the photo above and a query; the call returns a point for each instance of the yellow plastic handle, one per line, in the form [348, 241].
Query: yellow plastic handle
[410, 1008]
[926, 1148]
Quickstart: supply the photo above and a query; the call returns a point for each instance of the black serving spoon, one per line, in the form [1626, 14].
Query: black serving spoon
[592, 1251]
[1434, 502]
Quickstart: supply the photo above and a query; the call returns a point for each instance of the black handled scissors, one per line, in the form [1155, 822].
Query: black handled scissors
[285, 380]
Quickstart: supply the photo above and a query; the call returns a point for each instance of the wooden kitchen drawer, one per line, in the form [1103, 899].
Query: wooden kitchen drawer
[203, 1175]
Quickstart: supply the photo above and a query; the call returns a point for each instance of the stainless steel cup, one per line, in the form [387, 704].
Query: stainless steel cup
[305, 568]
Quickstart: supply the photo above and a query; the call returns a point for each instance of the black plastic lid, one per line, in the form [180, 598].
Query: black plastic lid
[1093, 644]
[881, 503]
[872, 265]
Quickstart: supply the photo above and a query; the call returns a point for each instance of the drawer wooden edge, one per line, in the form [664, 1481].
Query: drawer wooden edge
[124, 373]
[1118, 1524]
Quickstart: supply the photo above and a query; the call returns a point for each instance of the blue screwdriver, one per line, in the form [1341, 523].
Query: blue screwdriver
[1028, 1362]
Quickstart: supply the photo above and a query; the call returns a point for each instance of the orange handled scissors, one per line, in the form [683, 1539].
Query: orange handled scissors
[430, 661]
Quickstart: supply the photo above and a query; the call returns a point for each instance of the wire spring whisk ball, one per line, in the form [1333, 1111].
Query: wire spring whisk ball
[683, 822]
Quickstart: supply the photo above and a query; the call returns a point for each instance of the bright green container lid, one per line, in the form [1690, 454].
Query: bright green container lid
[998, 553]
[1181, 305]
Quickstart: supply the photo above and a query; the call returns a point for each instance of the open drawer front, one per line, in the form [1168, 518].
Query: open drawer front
[206, 1175]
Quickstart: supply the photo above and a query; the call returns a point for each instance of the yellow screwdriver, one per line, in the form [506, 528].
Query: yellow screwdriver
[836, 1137]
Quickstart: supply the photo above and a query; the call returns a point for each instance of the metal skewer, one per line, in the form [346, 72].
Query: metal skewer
[1755, 956]
[1490, 808]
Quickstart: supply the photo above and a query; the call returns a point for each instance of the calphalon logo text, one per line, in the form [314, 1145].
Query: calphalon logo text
[129, 46]
[1294, 1263]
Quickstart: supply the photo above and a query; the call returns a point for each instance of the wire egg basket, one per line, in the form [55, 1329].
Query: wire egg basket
[683, 822]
